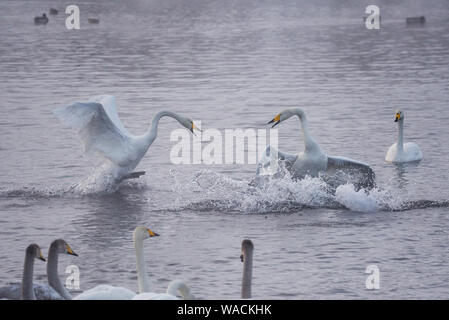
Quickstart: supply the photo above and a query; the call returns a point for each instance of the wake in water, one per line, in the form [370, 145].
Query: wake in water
[212, 191]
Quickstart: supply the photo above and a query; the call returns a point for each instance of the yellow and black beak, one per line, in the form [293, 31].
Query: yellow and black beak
[152, 234]
[41, 257]
[70, 251]
[276, 120]
[242, 257]
[194, 127]
[397, 117]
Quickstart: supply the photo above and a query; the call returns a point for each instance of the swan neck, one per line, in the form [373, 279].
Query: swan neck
[400, 135]
[309, 143]
[247, 274]
[151, 134]
[142, 277]
[52, 273]
[27, 279]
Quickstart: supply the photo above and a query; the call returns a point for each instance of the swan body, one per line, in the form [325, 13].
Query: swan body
[312, 160]
[106, 292]
[400, 152]
[175, 288]
[54, 290]
[101, 131]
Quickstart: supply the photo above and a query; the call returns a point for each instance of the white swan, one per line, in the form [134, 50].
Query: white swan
[247, 258]
[26, 289]
[400, 151]
[175, 288]
[54, 290]
[107, 292]
[102, 131]
[312, 160]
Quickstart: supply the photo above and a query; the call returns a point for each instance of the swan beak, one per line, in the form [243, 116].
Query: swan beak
[41, 257]
[152, 234]
[242, 257]
[276, 120]
[70, 251]
[397, 117]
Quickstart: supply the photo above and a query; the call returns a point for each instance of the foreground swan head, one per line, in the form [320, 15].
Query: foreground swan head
[179, 287]
[141, 233]
[61, 246]
[247, 258]
[34, 251]
[401, 152]
[399, 116]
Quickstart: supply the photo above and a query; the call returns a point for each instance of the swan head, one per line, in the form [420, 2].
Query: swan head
[284, 115]
[141, 233]
[399, 115]
[63, 247]
[179, 287]
[34, 250]
[188, 124]
[247, 249]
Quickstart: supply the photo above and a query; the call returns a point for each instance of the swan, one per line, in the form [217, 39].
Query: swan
[175, 288]
[247, 258]
[312, 160]
[26, 289]
[54, 290]
[400, 151]
[107, 292]
[102, 131]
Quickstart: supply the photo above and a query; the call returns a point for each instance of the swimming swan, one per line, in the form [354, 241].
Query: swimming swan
[26, 289]
[313, 160]
[102, 131]
[247, 258]
[54, 290]
[400, 151]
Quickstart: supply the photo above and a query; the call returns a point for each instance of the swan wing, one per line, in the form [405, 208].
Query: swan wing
[342, 163]
[110, 107]
[98, 132]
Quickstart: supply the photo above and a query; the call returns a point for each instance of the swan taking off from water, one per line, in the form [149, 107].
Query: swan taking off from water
[247, 258]
[102, 131]
[312, 160]
[400, 151]
[52, 291]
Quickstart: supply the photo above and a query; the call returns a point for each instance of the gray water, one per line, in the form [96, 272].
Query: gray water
[231, 64]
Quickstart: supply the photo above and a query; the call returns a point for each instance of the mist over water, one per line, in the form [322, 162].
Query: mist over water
[230, 64]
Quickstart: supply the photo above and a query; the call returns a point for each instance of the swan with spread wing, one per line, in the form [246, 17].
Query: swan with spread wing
[312, 160]
[102, 131]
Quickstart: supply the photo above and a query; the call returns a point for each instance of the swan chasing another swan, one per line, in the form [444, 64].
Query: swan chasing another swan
[54, 290]
[312, 160]
[400, 151]
[107, 292]
[102, 131]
